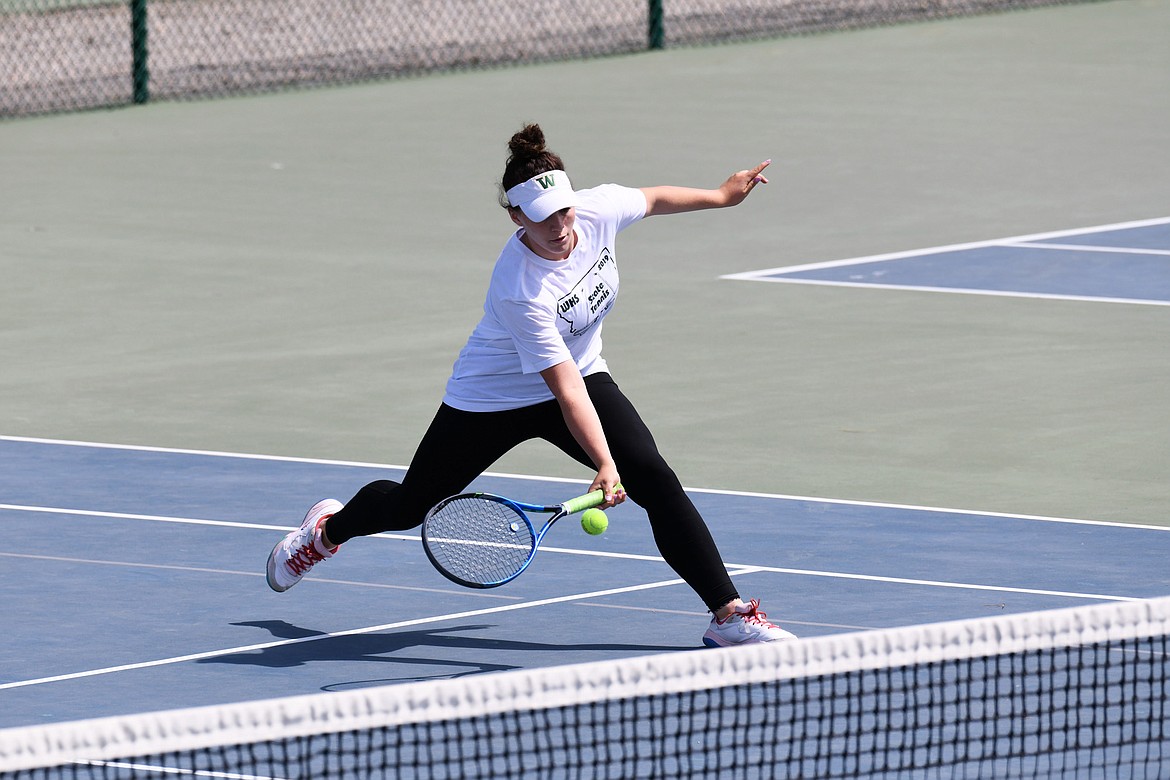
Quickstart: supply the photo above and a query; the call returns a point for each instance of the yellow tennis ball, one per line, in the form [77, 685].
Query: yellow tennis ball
[594, 521]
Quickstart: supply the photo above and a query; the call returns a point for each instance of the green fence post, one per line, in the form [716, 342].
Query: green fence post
[141, 72]
[657, 30]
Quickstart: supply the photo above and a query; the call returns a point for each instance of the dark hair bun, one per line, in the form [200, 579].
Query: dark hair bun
[527, 144]
[528, 157]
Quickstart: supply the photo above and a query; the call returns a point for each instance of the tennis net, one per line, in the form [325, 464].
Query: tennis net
[1073, 693]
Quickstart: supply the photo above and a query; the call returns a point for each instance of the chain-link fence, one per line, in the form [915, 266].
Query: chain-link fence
[58, 55]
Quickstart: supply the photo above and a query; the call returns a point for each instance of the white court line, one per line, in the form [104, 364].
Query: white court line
[350, 632]
[267, 527]
[163, 769]
[207, 453]
[937, 509]
[1087, 248]
[733, 569]
[751, 275]
[771, 274]
[535, 478]
[961, 291]
[739, 568]
[128, 516]
[943, 584]
[238, 573]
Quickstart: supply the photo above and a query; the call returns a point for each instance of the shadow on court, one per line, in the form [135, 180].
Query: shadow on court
[307, 646]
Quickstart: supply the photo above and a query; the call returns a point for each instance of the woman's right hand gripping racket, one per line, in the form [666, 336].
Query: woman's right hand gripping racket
[480, 540]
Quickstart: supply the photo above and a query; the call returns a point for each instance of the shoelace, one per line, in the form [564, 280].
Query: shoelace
[303, 559]
[754, 615]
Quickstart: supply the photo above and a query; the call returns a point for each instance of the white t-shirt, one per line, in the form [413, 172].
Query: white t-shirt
[539, 312]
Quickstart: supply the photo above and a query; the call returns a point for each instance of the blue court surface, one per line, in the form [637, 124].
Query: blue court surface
[133, 580]
[1124, 263]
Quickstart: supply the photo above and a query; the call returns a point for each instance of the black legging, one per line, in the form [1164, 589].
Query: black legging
[459, 446]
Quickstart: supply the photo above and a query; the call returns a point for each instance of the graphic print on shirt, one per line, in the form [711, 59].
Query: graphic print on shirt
[591, 297]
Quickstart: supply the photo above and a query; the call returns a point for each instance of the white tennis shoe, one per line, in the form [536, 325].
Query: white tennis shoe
[746, 625]
[297, 552]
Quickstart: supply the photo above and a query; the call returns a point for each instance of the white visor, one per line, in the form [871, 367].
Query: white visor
[543, 195]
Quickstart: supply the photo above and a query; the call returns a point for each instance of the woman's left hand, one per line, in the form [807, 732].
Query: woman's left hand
[739, 185]
[607, 479]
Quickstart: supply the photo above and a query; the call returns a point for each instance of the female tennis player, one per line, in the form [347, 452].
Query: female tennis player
[532, 368]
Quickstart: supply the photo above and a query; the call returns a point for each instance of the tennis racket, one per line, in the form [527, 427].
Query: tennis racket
[480, 540]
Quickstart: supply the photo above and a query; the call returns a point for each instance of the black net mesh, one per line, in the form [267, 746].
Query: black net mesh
[1077, 693]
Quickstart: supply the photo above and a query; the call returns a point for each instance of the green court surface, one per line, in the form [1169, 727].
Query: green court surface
[293, 274]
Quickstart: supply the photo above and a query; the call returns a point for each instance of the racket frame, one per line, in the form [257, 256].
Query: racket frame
[558, 511]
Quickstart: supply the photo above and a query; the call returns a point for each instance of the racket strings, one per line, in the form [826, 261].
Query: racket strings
[479, 540]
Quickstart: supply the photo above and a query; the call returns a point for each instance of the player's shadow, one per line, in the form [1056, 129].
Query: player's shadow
[304, 646]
